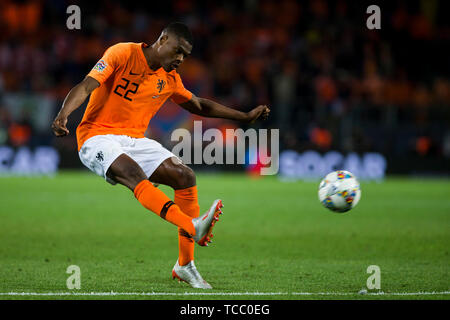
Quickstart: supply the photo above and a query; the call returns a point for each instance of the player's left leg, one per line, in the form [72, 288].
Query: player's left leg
[163, 167]
[182, 179]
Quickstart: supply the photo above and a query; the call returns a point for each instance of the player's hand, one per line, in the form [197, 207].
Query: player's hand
[259, 112]
[59, 126]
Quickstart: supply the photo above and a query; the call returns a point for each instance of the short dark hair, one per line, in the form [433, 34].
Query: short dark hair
[180, 30]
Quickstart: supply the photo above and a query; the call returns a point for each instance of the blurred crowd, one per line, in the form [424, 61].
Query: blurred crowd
[331, 83]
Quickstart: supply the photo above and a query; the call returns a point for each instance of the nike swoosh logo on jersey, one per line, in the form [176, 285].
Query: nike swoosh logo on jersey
[154, 97]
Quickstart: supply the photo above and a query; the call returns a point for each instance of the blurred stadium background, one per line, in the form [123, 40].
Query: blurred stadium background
[332, 84]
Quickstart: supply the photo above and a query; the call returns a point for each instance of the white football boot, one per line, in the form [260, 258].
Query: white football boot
[189, 274]
[205, 223]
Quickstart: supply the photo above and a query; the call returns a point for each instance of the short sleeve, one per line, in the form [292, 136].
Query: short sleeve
[181, 94]
[111, 60]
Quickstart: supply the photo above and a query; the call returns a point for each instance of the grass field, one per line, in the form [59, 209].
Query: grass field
[274, 237]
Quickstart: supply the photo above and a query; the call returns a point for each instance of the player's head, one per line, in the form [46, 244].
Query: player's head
[174, 45]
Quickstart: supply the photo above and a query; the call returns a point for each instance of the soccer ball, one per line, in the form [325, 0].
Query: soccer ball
[339, 191]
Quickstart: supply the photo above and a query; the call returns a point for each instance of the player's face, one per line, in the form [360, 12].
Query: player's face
[173, 51]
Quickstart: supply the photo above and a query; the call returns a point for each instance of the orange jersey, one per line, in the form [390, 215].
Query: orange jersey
[130, 93]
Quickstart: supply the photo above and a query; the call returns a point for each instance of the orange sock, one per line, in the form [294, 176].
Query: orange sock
[155, 200]
[187, 200]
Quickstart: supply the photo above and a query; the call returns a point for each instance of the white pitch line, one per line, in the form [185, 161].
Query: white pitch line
[421, 293]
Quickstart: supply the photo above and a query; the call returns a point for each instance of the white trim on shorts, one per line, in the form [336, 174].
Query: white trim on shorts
[99, 152]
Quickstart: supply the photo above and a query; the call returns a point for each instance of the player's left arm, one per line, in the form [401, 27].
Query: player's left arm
[211, 109]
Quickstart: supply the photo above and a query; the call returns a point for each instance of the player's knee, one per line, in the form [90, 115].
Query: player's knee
[185, 177]
[135, 174]
[126, 171]
[130, 176]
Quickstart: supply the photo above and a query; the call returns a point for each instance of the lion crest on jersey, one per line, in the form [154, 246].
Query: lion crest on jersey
[160, 85]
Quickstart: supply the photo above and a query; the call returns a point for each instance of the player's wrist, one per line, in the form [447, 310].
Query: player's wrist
[248, 117]
[62, 115]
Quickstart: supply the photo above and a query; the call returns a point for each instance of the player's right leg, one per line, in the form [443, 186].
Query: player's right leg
[181, 178]
[105, 155]
[127, 172]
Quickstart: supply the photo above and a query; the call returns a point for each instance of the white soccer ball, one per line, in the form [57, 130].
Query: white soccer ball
[339, 191]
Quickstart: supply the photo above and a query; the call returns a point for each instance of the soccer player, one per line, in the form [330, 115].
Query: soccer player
[127, 86]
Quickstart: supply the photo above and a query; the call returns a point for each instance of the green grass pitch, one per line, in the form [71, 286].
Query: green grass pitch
[274, 237]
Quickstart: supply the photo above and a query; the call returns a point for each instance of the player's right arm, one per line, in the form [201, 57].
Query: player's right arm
[73, 100]
[113, 57]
